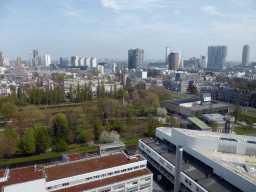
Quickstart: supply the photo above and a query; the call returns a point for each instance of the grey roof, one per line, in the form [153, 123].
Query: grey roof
[207, 107]
[180, 101]
[199, 173]
[213, 117]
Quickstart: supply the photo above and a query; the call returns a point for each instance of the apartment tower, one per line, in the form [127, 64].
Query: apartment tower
[135, 59]
[245, 55]
[174, 61]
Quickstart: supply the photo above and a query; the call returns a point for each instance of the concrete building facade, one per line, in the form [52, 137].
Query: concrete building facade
[1, 59]
[74, 60]
[135, 59]
[64, 61]
[174, 61]
[245, 55]
[211, 161]
[216, 57]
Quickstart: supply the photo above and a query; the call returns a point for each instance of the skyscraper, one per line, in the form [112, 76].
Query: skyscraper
[18, 61]
[81, 62]
[46, 60]
[1, 59]
[64, 61]
[74, 60]
[88, 62]
[174, 61]
[93, 62]
[35, 59]
[135, 59]
[245, 55]
[216, 57]
[167, 53]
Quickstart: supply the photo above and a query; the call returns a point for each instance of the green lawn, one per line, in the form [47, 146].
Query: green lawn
[244, 130]
[50, 154]
[132, 141]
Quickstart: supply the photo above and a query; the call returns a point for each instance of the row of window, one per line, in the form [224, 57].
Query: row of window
[94, 177]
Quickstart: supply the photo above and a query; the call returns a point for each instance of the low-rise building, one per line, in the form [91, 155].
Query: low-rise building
[209, 161]
[114, 172]
[225, 123]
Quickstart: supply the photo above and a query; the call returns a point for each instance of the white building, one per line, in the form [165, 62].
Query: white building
[81, 62]
[74, 60]
[88, 62]
[46, 60]
[6, 62]
[115, 172]
[93, 62]
[211, 161]
[101, 69]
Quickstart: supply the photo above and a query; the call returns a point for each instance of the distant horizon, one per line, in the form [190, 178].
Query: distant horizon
[109, 28]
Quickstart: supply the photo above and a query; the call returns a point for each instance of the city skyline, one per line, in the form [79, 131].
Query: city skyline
[108, 28]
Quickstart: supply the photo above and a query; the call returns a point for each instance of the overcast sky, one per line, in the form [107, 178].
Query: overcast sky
[108, 28]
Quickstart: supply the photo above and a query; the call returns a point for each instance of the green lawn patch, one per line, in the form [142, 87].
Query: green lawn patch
[48, 155]
[245, 130]
[132, 141]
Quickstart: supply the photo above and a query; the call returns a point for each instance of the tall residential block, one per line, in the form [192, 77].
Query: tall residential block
[18, 61]
[245, 56]
[46, 60]
[74, 60]
[174, 61]
[1, 59]
[216, 57]
[93, 62]
[81, 62]
[64, 61]
[135, 59]
[87, 62]
[35, 58]
[167, 53]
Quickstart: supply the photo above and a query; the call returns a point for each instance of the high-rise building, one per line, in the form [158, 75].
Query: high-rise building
[46, 60]
[203, 62]
[1, 59]
[74, 60]
[174, 61]
[135, 59]
[167, 53]
[93, 62]
[245, 56]
[18, 61]
[35, 59]
[216, 57]
[81, 62]
[88, 62]
[64, 61]
[6, 62]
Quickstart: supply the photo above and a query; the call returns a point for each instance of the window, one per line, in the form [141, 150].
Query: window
[134, 183]
[129, 169]
[96, 177]
[103, 175]
[110, 173]
[190, 183]
[197, 189]
[186, 180]
[116, 172]
[124, 170]
[65, 184]
[142, 166]
[137, 167]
